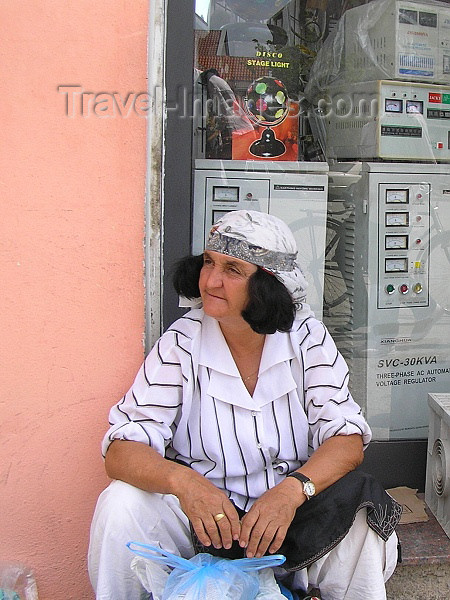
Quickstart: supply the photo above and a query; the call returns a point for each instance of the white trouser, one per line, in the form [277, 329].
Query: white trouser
[355, 569]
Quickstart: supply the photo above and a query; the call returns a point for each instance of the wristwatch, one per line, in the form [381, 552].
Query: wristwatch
[309, 489]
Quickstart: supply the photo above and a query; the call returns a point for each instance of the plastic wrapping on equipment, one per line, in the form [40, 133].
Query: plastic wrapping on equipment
[405, 40]
[380, 85]
[17, 582]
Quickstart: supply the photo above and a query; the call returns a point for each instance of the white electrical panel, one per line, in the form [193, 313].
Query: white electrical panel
[386, 299]
[397, 39]
[296, 192]
[390, 120]
[403, 244]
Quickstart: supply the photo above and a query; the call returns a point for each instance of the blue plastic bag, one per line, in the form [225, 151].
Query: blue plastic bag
[8, 595]
[208, 577]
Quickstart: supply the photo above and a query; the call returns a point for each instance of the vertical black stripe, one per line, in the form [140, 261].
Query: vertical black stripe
[293, 437]
[255, 424]
[277, 429]
[219, 432]
[213, 462]
[233, 414]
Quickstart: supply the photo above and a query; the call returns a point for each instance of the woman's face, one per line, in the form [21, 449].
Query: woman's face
[223, 285]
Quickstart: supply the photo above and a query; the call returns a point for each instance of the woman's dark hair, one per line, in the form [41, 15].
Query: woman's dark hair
[186, 275]
[270, 307]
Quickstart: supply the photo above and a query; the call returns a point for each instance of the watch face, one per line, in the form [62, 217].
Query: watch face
[309, 488]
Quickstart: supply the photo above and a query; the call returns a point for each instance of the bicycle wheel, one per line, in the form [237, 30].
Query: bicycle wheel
[309, 235]
[334, 287]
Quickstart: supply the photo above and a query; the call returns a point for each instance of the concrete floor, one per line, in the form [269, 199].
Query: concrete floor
[419, 582]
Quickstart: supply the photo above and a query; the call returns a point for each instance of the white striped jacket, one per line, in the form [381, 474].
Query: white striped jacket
[188, 401]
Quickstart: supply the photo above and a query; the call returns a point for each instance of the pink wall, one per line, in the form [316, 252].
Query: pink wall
[71, 254]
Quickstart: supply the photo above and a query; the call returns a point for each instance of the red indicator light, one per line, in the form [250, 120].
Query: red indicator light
[403, 288]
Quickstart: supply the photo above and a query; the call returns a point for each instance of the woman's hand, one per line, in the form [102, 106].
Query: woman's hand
[201, 501]
[265, 525]
[141, 466]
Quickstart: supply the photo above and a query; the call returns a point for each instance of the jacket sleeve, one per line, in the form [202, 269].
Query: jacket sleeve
[329, 405]
[148, 410]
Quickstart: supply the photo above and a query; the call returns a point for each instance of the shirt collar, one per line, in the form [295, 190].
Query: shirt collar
[214, 351]
[215, 354]
[225, 381]
[277, 349]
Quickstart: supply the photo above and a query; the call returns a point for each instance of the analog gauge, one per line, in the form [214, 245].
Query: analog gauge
[225, 193]
[397, 197]
[217, 214]
[414, 106]
[397, 219]
[396, 242]
[393, 105]
[428, 19]
[396, 265]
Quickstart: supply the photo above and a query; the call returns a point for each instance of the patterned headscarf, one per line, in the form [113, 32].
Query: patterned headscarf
[265, 241]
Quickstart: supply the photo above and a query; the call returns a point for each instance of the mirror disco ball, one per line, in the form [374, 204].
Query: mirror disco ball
[267, 101]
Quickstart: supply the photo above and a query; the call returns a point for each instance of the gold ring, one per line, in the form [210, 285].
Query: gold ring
[218, 517]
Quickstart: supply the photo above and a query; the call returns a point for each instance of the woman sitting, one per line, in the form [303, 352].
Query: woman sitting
[239, 435]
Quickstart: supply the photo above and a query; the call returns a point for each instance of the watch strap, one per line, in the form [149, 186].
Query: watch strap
[299, 476]
[309, 489]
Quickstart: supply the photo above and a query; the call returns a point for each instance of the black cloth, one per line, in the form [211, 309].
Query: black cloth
[323, 521]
